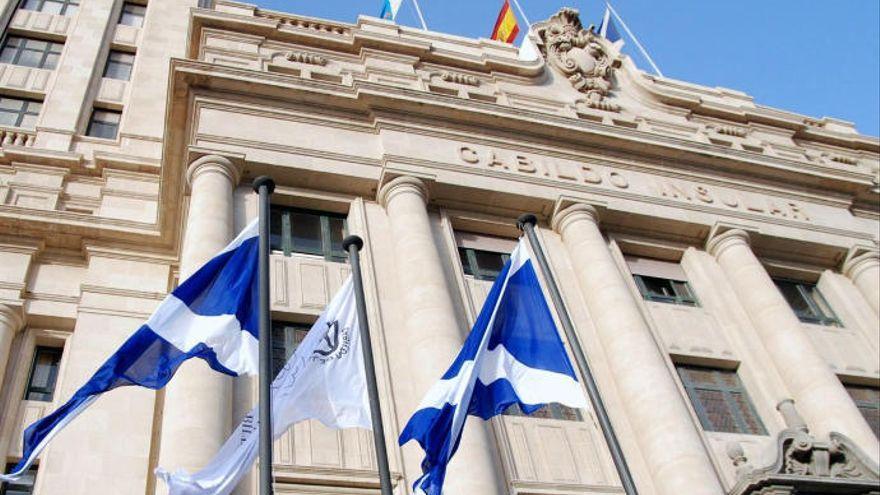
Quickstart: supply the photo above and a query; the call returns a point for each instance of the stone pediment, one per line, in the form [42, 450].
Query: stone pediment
[805, 465]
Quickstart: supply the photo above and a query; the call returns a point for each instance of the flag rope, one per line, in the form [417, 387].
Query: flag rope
[636, 40]
[419, 12]
[523, 14]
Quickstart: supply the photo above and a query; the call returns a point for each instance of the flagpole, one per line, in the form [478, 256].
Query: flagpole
[264, 186]
[526, 223]
[419, 12]
[353, 244]
[636, 40]
[523, 14]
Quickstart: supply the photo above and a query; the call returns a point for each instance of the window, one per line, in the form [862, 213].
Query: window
[16, 112]
[285, 339]
[119, 65]
[30, 52]
[720, 400]
[867, 399]
[24, 486]
[62, 7]
[550, 411]
[132, 15]
[104, 124]
[807, 302]
[44, 373]
[309, 232]
[483, 265]
[665, 290]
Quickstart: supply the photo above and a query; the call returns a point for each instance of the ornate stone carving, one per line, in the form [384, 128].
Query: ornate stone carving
[457, 78]
[305, 58]
[578, 53]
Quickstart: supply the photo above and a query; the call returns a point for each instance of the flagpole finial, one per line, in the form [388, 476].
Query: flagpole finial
[526, 219]
[264, 180]
[352, 240]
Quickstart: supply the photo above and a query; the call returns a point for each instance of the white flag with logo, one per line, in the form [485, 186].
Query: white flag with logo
[323, 380]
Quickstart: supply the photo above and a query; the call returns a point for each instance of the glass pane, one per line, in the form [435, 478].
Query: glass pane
[716, 411]
[51, 61]
[24, 486]
[819, 301]
[12, 104]
[465, 261]
[32, 4]
[753, 424]
[132, 15]
[337, 233]
[658, 287]
[30, 58]
[44, 372]
[795, 299]
[53, 6]
[306, 229]
[102, 130]
[28, 121]
[489, 264]
[8, 118]
[115, 70]
[275, 229]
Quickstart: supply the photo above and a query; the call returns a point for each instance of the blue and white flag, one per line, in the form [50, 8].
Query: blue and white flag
[513, 355]
[390, 9]
[322, 380]
[212, 315]
[608, 30]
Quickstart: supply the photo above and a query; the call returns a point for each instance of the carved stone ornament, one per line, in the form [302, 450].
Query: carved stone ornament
[806, 465]
[306, 58]
[579, 54]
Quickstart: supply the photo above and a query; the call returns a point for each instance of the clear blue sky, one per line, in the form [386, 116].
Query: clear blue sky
[818, 58]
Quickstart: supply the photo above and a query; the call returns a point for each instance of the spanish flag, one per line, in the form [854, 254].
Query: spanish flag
[506, 27]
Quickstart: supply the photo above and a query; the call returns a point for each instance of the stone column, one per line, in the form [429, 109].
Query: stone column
[198, 401]
[821, 398]
[433, 334]
[864, 271]
[665, 432]
[10, 323]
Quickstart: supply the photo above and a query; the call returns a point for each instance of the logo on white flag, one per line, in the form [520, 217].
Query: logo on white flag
[335, 344]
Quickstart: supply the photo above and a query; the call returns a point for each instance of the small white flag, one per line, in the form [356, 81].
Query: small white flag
[323, 380]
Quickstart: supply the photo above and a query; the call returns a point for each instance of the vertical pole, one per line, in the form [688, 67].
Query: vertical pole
[419, 12]
[353, 244]
[526, 223]
[264, 186]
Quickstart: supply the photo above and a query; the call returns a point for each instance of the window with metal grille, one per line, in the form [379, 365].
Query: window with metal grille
[295, 230]
[665, 290]
[550, 411]
[44, 374]
[867, 399]
[720, 400]
[482, 265]
[30, 52]
[18, 112]
[119, 65]
[286, 337]
[807, 302]
[24, 486]
[132, 14]
[61, 7]
[104, 124]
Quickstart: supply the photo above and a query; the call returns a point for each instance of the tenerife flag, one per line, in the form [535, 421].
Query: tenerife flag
[608, 30]
[513, 355]
[212, 315]
[390, 9]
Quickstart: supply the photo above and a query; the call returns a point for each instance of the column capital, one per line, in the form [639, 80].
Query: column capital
[578, 211]
[213, 163]
[857, 262]
[402, 184]
[719, 241]
[11, 316]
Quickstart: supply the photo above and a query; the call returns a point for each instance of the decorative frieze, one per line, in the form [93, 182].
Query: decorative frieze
[457, 78]
[306, 58]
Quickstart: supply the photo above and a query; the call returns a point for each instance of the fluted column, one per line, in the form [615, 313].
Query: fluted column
[198, 401]
[10, 323]
[820, 396]
[864, 271]
[433, 336]
[666, 434]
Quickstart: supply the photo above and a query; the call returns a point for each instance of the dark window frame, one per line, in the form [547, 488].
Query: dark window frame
[112, 61]
[29, 387]
[682, 293]
[866, 406]
[65, 6]
[23, 112]
[728, 392]
[286, 337]
[5, 488]
[807, 292]
[131, 10]
[553, 410]
[47, 61]
[471, 266]
[93, 122]
[284, 241]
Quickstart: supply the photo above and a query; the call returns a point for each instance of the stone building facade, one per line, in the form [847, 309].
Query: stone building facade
[719, 258]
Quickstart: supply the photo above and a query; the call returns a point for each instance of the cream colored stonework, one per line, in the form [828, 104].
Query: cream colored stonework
[428, 143]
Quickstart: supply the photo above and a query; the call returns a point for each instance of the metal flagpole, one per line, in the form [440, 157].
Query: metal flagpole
[419, 12]
[264, 186]
[636, 40]
[526, 223]
[523, 14]
[353, 244]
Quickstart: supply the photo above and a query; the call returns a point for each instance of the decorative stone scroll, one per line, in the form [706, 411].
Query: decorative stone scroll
[305, 58]
[579, 54]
